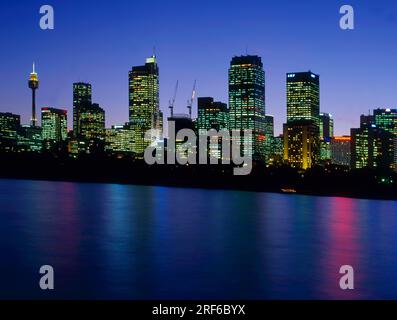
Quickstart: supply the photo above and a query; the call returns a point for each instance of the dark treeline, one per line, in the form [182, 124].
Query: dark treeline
[324, 180]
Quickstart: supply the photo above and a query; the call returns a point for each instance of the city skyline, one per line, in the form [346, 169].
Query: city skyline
[347, 64]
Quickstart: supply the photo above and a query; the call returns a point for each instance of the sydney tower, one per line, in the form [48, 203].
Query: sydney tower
[34, 85]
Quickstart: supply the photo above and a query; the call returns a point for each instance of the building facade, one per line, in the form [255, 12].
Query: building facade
[119, 140]
[301, 144]
[341, 150]
[82, 98]
[247, 101]
[371, 147]
[303, 96]
[54, 124]
[144, 103]
[9, 127]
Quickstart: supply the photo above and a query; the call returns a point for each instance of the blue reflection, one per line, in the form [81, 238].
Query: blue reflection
[134, 242]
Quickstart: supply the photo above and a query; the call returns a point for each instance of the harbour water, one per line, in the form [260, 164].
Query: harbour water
[109, 241]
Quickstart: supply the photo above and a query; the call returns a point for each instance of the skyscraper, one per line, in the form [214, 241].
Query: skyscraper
[119, 140]
[212, 115]
[54, 126]
[303, 96]
[341, 150]
[82, 97]
[33, 85]
[247, 101]
[326, 126]
[9, 127]
[371, 146]
[92, 122]
[302, 131]
[386, 119]
[144, 102]
[269, 133]
[301, 143]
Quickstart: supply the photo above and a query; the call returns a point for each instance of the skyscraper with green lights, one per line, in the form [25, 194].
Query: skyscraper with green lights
[371, 146]
[144, 102]
[302, 130]
[303, 96]
[82, 97]
[386, 119]
[9, 126]
[326, 126]
[212, 115]
[92, 122]
[247, 101]
[54, 127]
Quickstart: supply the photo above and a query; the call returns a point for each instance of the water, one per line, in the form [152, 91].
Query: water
[131, 242]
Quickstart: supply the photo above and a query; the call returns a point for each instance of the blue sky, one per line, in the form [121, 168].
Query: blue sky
[100, 41]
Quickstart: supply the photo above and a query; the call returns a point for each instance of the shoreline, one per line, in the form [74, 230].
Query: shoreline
[328, 181]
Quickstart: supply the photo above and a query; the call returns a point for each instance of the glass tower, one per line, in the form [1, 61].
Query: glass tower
[82, 97]
[326, 126]
[212, 115]
[92, 122]
[247, 101]
[54, 126]
[9, 127]
[144, 102]
[303, 96]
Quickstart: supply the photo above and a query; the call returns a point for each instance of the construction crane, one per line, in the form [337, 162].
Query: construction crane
[172, 102]
[190, 102]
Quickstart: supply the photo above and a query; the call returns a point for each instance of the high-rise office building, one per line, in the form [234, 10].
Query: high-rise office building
[302, 131]
[276, 155]
[144, 103]
[212, 115]
[303, 96]
[371, 146]
[92, 122]
[386, 119]
[82, 97]
[119, 140]
[301, 143]
[33, 85]
[269, 134]
[341, 150]
[54, 124]
[326, 134]
[9, 127]
[30, 139]
[180, 122]
[326, 126]
[247, 101]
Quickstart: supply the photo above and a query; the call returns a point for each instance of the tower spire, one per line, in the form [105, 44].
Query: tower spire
[33, 85]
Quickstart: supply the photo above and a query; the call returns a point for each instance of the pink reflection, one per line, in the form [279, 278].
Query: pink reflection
[343, 248]
[68, 230]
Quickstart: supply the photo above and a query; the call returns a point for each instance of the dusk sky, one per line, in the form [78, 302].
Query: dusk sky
[99, 41]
